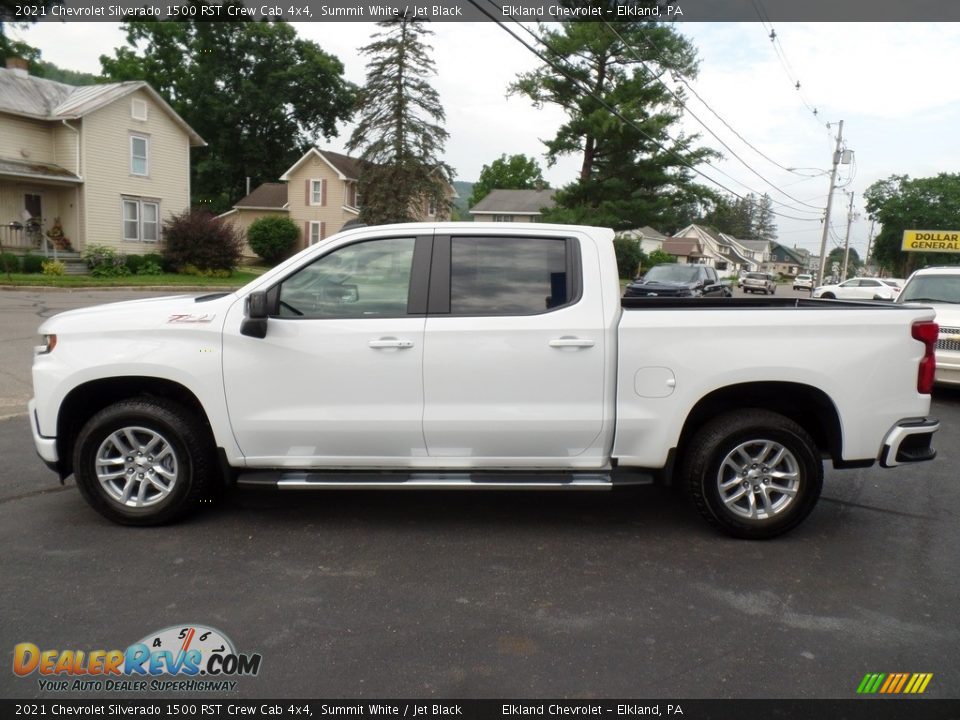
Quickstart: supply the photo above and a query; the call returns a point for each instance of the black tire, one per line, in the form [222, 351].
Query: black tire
[828, 296]
[704, 471]
[774, 290]
[186, 452]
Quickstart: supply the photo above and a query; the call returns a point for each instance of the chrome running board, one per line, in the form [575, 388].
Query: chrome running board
[405, 480]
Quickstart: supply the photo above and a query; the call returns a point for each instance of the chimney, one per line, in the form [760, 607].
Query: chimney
[18, 65]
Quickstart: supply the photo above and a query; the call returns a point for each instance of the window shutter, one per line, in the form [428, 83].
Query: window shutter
[306, 233]
[323, 230]
[323, 193]
[306, 195]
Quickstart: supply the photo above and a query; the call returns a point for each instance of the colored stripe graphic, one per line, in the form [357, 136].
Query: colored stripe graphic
[894, 683]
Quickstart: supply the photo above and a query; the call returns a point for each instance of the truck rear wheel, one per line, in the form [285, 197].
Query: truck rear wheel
[753, 474]
[143, 461]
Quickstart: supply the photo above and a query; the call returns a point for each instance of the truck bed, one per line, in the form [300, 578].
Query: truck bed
[767, 301]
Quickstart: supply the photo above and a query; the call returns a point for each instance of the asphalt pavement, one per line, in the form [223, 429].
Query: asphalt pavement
[447, 595]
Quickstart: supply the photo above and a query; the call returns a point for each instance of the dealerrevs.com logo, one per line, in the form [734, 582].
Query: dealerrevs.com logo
[184, 658]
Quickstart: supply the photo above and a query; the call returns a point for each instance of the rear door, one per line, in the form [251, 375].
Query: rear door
[514, 352]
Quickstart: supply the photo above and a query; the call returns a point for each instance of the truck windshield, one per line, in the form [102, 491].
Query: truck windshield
[671, 273]
[932, 288]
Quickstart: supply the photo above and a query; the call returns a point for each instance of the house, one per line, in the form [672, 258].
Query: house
[759, 250]
[106, 164]
[685, 250]
[786, 261]
[650, 240]
[513, 205]
[319, 192]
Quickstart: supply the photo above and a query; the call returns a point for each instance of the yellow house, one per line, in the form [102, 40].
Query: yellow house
[107, 163]
[319, 193]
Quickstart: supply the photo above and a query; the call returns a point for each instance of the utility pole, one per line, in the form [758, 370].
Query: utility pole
[846, 243]
[870, 240]
[826, 217]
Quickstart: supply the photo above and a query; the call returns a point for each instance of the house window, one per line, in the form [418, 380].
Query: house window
[503, 218]
[431, 207]
[138, 109]
[141, 220]
[353, 197]
[316, 192]
[316, 232]
[139, 155]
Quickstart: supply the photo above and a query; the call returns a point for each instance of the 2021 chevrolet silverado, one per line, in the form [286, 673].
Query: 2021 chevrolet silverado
[474, 355]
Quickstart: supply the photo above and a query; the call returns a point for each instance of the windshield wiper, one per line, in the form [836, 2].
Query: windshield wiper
[933, 300]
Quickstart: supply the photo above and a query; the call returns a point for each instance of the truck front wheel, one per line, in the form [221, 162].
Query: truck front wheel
[753, 474]
[143, 461]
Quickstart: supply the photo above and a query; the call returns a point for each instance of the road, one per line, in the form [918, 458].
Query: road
[444, 595]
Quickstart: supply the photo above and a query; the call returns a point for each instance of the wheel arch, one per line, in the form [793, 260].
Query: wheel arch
[89, 398]
[808, 406]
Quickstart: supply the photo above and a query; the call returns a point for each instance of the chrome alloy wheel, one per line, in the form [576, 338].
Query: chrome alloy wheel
[136, 466]
[758, 479]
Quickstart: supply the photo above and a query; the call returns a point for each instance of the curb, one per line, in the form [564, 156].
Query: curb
[126, 288]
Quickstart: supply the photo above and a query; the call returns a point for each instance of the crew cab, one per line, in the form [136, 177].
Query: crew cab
[477, 356]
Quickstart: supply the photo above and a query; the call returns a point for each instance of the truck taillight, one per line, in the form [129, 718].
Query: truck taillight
[926, 332]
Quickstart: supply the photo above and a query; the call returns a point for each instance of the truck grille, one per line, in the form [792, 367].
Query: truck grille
[949, 339]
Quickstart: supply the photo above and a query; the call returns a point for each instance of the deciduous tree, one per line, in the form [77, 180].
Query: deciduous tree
[516, 172]
[900, 203]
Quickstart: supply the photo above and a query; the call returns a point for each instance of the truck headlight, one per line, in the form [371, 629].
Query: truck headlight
[47, 344]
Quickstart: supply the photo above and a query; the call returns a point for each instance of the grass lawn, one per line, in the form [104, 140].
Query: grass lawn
[238, 279]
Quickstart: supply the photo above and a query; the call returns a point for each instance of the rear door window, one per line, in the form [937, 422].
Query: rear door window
[510, 275]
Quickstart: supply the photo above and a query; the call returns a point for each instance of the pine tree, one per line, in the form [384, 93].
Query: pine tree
[765, 224]
[399, 133]
[633, 171]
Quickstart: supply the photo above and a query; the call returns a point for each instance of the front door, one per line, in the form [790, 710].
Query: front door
[338, 379]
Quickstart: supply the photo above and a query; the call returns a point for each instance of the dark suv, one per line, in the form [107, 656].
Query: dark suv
[675, 280]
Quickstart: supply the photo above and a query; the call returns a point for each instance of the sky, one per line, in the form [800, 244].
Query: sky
[893, 85]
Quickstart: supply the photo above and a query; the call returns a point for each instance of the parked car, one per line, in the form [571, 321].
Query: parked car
[754, 282]
[895, 283]
[676, 280]
[939, 287]
[803, 282]
[861, 288]
[475, 356]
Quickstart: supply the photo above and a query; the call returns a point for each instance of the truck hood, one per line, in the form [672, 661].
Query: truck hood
[639, 288]
[148, 313]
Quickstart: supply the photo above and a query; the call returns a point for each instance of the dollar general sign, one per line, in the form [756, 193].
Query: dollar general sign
[931, 240]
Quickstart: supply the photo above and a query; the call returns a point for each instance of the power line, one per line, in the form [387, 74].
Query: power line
[627, 120]
[781, 54]
[681, 79]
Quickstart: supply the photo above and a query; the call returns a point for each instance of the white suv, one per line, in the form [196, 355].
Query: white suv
[939, 287]
[803, 282]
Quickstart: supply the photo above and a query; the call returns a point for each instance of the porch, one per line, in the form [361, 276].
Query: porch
[39, 209]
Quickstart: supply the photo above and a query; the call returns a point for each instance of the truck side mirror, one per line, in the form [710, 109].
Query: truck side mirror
[255, 322]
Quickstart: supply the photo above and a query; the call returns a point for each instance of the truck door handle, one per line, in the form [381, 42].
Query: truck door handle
[569, 341]
[390, 343]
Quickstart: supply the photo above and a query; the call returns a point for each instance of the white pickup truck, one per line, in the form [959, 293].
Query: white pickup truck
[495, 356]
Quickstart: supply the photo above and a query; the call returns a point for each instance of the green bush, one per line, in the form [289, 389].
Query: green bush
[9, 263]
[199, 238]
[104, 261]
[272, 237]
[134, 262]
[191, 269]
[659, 257]
[54, 267]
[149, 268]
[629, 257]
[32, 264]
